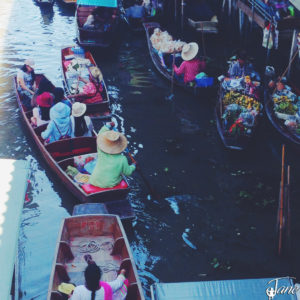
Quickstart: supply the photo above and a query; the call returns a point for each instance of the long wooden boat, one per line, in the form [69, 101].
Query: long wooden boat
[102, 37]
[104, 238]
[196, 90]
[233, 142]
[61, 154]
[98, 109]
[278, 123]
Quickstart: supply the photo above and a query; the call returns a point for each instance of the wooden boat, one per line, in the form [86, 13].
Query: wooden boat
[98, 109]
[279, 123]
[233, 142]
[107, 32]
[61, 154]
[196, 90]
[104, 238]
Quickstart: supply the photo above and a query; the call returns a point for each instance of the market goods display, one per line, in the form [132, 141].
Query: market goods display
[286, 106]
[75, 68]
[240, 106]
[163, 42]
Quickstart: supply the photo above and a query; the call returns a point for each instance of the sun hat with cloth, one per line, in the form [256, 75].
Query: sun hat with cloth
[189, 51]
[44, 100]
[29, 62]
[112, 142]
[96, 73]
[78, 109]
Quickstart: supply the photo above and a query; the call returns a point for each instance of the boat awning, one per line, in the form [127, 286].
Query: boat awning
[243, 289]
[105, 3]
[13, 186]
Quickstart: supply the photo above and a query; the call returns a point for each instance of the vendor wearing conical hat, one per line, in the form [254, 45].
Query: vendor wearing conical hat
[111, 163]
[191, 65]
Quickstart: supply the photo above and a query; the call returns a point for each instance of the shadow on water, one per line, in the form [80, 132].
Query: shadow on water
[224, 225]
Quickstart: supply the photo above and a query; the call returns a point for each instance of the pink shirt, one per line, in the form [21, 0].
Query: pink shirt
[190, 68]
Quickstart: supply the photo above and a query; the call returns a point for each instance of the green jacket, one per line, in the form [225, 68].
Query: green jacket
[109, 167]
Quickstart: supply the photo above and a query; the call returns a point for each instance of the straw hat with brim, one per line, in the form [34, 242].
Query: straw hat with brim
[112, 142]
[96, 73]
[30, 62]
[66, 288]
[78, 109]
[189, 51]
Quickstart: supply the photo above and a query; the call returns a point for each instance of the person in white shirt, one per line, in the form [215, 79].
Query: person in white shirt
[96, 290]
[81, 125]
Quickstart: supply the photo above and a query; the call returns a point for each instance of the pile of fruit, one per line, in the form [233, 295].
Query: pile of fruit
[285, 105]
[242, 100]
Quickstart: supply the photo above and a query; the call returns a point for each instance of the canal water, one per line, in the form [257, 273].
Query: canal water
[216, 215]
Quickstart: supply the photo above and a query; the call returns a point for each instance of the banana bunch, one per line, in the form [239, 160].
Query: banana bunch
[242, 100]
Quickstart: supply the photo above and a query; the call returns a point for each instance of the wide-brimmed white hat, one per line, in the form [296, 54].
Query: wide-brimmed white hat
[96, 73]
[78, 109]
[30, 62]
[189, 51]
[112, 142]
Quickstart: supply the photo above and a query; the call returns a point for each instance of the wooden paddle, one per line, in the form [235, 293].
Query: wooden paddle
[281, 202]
[171, 96]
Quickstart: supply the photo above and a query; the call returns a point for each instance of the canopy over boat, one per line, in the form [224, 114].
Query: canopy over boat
[105, 3]
[13, 186]
[244, 289]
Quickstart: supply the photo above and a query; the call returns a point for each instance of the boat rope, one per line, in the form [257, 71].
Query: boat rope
[93, 246]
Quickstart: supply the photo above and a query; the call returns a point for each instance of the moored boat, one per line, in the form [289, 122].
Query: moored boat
[83, 60]
[61, 154]
[284, 114]
[205, 89]
[104, 239]
[237, 117]
[105, 32]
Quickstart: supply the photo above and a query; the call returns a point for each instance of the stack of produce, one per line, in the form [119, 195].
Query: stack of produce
[163, 42]
[287, 107]
[75, 68]
[240, 113]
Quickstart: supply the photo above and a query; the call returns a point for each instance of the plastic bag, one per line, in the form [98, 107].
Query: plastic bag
[247, 119]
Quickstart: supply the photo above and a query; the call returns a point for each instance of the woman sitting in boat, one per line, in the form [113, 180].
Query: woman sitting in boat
[241, 67]
[111, 164]
[26, 82]
[191, 65]
[136, 12]
[93, 88]
[41, 113]
[93, 20]
[60, 126]
[59, 96]
[94, 289]
[81, 124]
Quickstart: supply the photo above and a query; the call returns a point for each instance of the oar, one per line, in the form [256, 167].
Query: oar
[281, 202]
[151, 190]
[171, 96]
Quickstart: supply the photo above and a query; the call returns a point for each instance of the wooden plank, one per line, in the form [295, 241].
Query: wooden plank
[248, 11]
[13, 186]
